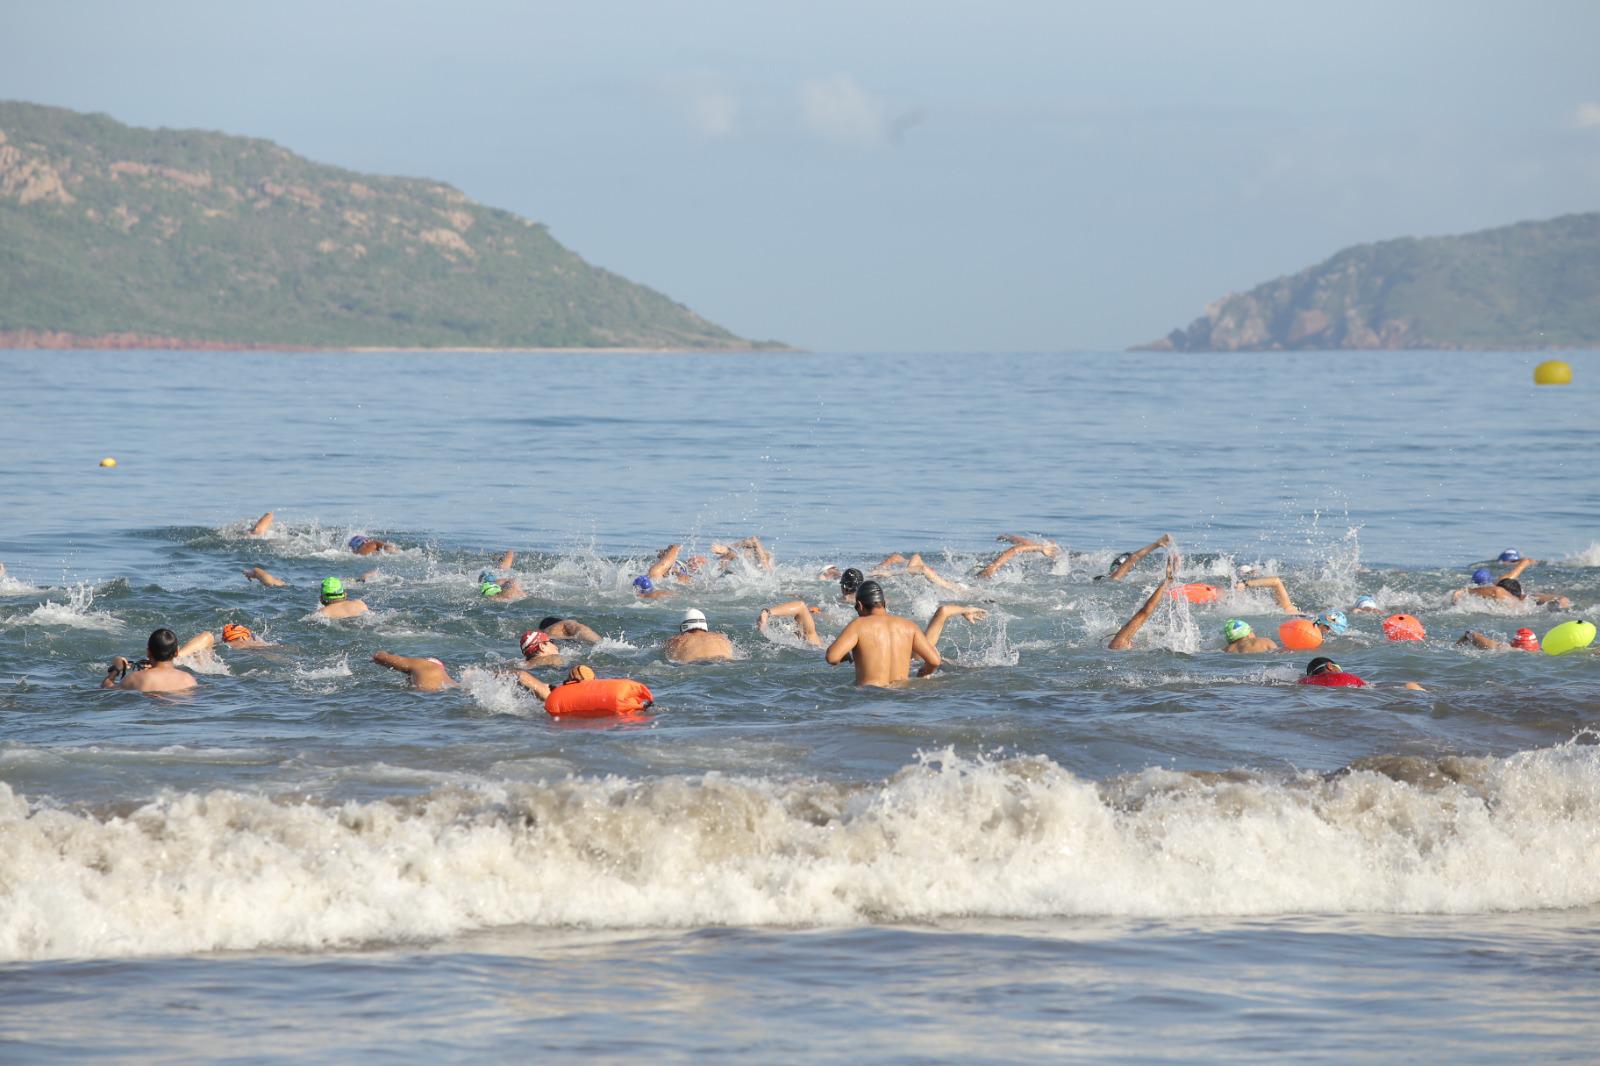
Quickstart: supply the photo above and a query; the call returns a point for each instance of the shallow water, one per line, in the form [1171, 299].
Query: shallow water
[1046, 848]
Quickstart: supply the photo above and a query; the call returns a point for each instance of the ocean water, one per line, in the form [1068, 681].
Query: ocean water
[1046, 850]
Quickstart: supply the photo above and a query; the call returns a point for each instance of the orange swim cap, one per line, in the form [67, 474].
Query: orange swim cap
[232, 632]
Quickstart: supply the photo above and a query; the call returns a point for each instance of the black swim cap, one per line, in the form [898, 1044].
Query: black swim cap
[546, 623]
[1321, 665]
[1511, 585]
[869, 594]
[162, 646]
[850, 580]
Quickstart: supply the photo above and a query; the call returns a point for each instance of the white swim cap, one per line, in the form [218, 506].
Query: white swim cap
[692, 619]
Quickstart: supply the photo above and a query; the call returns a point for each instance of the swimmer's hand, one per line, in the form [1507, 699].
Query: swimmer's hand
[118, 667]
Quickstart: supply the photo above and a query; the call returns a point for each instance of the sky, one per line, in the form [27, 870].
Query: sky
[892, 176]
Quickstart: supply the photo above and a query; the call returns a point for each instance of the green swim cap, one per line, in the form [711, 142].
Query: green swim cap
[1236, 629]
[488, 588]
[332, 589]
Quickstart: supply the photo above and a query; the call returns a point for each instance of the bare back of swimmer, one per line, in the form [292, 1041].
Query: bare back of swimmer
[880, 644]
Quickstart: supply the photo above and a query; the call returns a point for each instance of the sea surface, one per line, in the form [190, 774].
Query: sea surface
[1047, 851]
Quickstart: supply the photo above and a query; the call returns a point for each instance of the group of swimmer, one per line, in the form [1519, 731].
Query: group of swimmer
[879, 645]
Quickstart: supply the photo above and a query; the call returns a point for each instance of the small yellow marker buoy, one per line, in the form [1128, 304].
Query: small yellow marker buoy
[1552, 372]
[108, 461]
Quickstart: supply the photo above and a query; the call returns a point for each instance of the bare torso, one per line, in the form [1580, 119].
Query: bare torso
[343, 609]
[162, 677]
[698, 646]
[1250, 645]
[881, 646]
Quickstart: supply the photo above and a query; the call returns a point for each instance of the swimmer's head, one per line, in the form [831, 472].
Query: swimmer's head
[692, 620]
[1334, 621]
[488, 588]
[1481, 576]
[1321, 665]
[1510, 555]
[850, 580]
[1236, 629]
[546, 623]
[357, 542]
[1365, 602]
[1526, 640]
[869, 595]
[332, 590]
[232, 631]
[534, 642]
[1511, 585]
[580, 673]
[1119, 560]
[162, 646]
[1247, 570]
[487, 577]
[643, 584]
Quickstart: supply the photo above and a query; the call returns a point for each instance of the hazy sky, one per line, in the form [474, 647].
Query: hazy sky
[893, 176]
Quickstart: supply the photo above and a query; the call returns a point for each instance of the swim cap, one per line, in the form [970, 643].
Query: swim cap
[546, 623]
[1481, 576]
[1246, 570]
[869, 594]
[532, 640]
[644, 584]
[580, 673]
[1366, 601]
[1511, 585]
[1321, 665]
[1526, 640]
[1511, 555]
[232, 632]
[1334, 620]
[332, 589]
[850, 580]
[1236, 629]
[356, 542]
[487, 577]
[692, 620]
[488, 588]
[1119, 560]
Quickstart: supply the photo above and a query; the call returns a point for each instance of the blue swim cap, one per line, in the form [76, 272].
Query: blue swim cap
[644, 584]
[487, 577]
[356, 542]
[1366, 601]
[1511, 555]
[1335, 621]
[1481, 576]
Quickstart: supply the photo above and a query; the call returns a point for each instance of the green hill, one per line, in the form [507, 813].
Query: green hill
[123, 236]
[1531, 285]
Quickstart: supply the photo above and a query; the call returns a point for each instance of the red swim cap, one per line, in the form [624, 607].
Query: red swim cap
[1525, 640]
[532, 640]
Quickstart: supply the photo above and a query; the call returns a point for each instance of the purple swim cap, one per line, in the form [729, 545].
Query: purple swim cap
[356, 542]
[1481, 576]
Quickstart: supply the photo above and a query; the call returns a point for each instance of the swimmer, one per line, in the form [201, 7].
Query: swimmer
[538, 649]
[1524, 640]
[157, 673]
[916, 566]
[1128, 560]
[1019, 546]
[1326, 673]
[263, 524]
[1242, 639]
[371, 545]
[334, 601]
[647, 589]
[491, 588]
[731, 554]
[1332, 623]
[567, 629]
[645, 585]
[542, 690]
[1123, 640]
[881, 645]
[695, 642]
[1509, 589]
[255, 573]
[1365, 605]
[238, 637]
[427, 675]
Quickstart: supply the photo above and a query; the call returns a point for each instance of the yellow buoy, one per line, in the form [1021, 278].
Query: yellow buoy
[108, 461]
[1552, 372]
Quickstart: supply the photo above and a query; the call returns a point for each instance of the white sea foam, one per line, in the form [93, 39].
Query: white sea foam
[228, 870]
[74, 614]
[498, 693]
[1589, 556]
[339, 667]
[204, 661]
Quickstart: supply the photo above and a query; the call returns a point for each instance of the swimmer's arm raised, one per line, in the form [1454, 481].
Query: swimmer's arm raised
[198, 642]
[263, 524]
[664, 561]
[403, 663]
[1279, 593]
[255, 573]
[506, 560]
[1516, 571]
[1133, 560]
[947, 611]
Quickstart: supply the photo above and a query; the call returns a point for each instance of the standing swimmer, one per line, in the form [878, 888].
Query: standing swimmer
[880, 644]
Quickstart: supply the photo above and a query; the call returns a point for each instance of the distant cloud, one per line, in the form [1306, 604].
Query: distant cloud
[837, 109]
[705, 104]
[1586, 115]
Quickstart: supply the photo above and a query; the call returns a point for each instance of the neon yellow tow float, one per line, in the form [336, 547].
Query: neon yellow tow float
[1552, 372]
[1569, 636]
